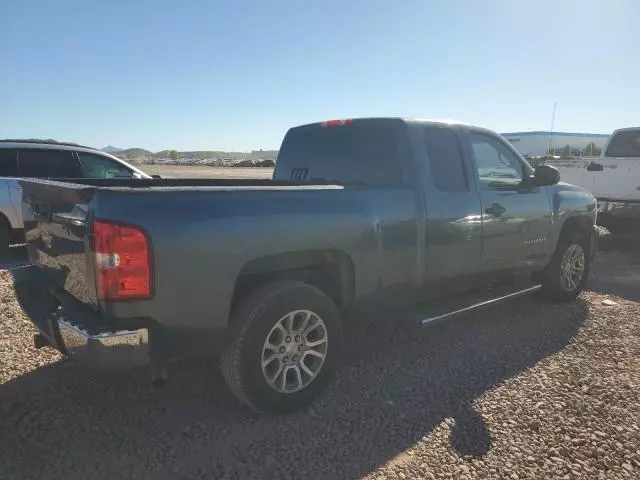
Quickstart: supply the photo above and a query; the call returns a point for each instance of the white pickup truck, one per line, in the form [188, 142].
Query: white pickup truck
[613, 178]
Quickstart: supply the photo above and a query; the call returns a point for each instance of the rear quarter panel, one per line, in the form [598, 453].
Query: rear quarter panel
[203, 239]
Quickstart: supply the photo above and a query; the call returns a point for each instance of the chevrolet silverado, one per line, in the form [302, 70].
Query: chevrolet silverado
[361, 214]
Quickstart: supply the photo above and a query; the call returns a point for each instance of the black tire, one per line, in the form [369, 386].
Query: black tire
[552, 285]
[252, 323]
[5, 237]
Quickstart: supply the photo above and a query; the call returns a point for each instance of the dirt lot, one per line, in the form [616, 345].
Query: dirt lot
[206, 172]
[523, 390]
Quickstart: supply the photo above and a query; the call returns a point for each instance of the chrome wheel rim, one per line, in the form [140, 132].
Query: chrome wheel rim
[572, 267]
[294, 351]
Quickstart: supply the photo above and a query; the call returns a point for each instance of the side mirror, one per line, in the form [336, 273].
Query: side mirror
[545, 175]
[156, 176]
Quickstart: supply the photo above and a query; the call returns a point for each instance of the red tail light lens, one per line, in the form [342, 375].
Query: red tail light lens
[123, 269]
[337, 123]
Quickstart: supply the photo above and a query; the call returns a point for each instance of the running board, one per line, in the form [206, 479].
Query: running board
[429, 320]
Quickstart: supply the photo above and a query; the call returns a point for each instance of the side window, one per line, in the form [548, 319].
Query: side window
[96, 166]
[498, 168]
[47, 163]
[445, 161]
[8, 162]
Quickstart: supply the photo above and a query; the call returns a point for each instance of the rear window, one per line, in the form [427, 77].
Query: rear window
[624, 144]
[8, 162]
[445, 160]
[357, 153]
[48, 164]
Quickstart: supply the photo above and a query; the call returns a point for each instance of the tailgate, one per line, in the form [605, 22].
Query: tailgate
[57, 231]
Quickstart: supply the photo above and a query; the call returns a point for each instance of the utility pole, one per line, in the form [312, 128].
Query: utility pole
[553, 118]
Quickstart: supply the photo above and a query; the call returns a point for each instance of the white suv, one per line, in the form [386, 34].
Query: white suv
[47, 160]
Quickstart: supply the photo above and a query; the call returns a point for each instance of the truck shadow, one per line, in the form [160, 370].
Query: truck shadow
[616, 268]
[390, 394]
[16, 257]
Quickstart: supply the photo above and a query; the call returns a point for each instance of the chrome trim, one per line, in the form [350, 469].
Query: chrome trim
[106, 350]
[485, 303]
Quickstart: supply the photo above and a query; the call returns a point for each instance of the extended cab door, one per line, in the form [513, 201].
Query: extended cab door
[454, 220]
[516, 217]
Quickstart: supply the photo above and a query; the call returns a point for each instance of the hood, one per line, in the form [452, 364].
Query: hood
[564, 186]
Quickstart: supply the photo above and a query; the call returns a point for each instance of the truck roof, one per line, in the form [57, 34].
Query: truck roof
[12, 143]
[48, 145]
[405, 120]
[382, 119]
[625, 129]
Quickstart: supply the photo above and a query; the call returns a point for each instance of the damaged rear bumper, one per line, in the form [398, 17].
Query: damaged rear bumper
[77, 331]
[104, 350]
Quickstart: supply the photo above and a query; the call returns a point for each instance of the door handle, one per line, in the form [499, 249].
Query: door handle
[496, 210]
[595, 167]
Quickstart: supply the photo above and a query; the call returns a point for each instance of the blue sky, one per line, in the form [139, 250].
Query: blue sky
[235, 75]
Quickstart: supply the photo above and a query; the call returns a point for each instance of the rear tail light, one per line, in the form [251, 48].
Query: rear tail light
[337, 123]
[122, 258]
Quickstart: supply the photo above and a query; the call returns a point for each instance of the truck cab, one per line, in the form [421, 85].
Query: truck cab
[614, 176]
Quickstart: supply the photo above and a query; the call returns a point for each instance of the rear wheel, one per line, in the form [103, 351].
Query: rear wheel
[284, 347]
[567, 272]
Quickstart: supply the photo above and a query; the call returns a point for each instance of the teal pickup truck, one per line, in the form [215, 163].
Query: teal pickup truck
[361, 214]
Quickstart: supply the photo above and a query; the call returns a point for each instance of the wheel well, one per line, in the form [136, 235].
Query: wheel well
[4, 222]
[580, 225]
[329, 270]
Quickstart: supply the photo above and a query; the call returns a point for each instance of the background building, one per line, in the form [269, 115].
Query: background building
[562, 143]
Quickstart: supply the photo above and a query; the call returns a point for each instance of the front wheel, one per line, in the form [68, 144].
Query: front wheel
[567, 272]
[4, 238]
[284, 346]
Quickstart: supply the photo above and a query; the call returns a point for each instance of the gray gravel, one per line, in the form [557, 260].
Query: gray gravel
[524, 390]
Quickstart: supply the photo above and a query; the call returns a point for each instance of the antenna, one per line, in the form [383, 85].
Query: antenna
[553, 119]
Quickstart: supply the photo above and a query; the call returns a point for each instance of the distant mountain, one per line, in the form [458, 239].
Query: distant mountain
[141, 156]
[111, 149]
[135, 152]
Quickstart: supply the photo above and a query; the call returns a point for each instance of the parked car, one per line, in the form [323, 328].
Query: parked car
[47, 160]
[613, 178]
[360, 215]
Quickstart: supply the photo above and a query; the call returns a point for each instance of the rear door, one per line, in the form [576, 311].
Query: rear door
[516, 217]
[454, 226]
[46, 163]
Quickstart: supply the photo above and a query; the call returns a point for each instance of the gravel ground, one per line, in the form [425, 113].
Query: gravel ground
[523, 390]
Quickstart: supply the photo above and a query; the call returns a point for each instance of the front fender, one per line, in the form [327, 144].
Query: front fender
[571, 203]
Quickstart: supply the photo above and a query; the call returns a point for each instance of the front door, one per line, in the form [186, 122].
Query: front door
[516, 217]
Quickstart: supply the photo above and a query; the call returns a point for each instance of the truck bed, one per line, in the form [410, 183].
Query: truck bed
[206, 234]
